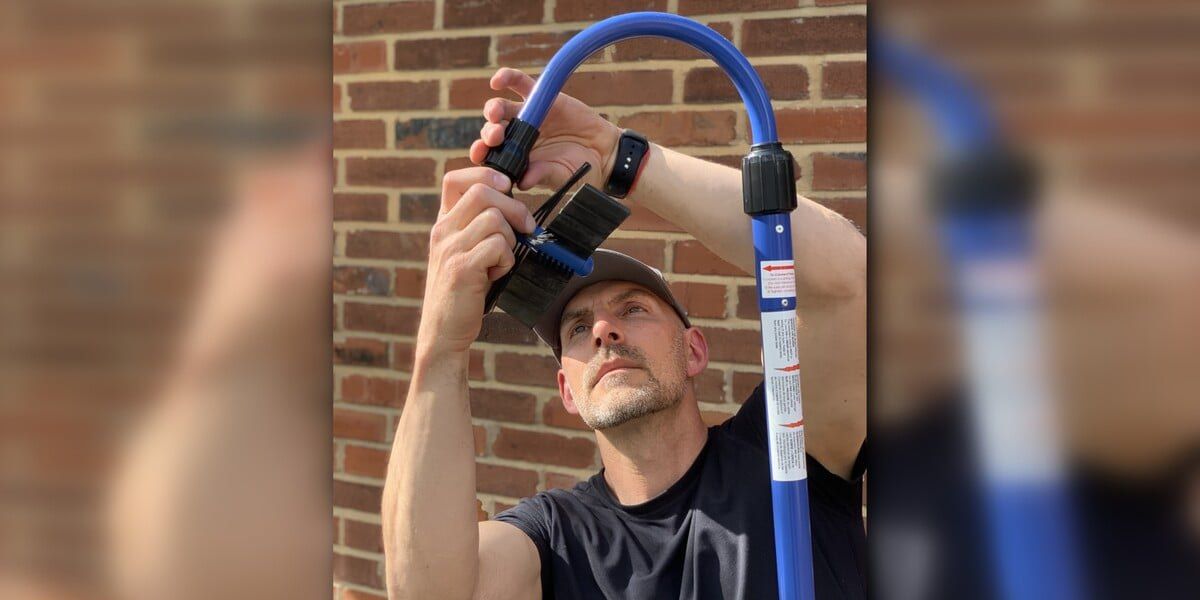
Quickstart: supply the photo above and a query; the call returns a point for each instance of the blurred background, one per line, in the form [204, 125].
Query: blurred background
[164, 317]
[1034, 413]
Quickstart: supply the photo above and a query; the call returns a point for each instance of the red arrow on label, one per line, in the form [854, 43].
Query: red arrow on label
[779, 267]
[795, 424]
[795, 367]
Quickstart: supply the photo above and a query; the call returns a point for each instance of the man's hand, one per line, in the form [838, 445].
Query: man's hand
[470, 246]
[571, 135]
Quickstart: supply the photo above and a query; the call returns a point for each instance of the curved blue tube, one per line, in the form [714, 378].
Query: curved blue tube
[652, 24]
[960, 117]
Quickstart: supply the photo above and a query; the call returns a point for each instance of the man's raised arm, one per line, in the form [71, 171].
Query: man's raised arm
[431, 538]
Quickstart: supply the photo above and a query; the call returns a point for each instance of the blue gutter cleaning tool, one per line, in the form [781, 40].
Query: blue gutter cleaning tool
[984, 204]
[768, 196]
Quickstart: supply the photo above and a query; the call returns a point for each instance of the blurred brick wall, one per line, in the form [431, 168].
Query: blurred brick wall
[410, 79]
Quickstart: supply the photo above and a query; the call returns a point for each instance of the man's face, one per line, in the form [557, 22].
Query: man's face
[625, 354]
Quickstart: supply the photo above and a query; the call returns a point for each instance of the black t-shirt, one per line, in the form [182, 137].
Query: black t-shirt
[709, 535]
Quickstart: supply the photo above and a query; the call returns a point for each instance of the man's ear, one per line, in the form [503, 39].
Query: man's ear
[564, 391]
[697, 347]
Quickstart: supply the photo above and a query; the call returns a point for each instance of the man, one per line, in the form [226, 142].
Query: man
[679, 510]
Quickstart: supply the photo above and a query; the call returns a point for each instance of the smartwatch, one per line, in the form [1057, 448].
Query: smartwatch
[632, 151]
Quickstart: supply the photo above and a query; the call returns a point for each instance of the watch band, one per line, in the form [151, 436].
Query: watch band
[632, 151]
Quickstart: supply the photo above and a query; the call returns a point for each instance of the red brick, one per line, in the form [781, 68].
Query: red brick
[473, 13]
[744, 384]
[374, 391]
[705, 7]
[651, 252]
[363, 352]
[359, 57]
[528, 369]
[747, 305]
[734, 345]
[649, 48]
[505, 481]
[474, 92]
[449, 53]
[844, 80]
[359, 207]
[393, 95]
[822, 125]
[337, 97]
[805, 35]
[353, 569]
[693, 258]
[532, 49]
[364, 536]
[560, 481]
[361, 281]
[555, 415]
[368, 462]
[710, 385]
[550, 448]
[700, 299]
[594, 10]
[480, 433]
[643, 219]
[410, 283]
[358, 425]
[391, 17]
[391, 172]
[624, 88]
[387, 244]
[475, 365]
[357, 496]
[419, 208]
[846, 171]
[381, 318]
[440, 133]
[353, 133]
[854, 209]
[684, 128]
[403, 356]
[711, 84]
[502, 405]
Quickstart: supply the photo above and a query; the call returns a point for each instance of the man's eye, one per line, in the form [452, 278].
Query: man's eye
[577, 329]
[634, 307]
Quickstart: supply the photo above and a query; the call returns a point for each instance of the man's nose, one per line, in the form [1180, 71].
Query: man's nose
[606, 333]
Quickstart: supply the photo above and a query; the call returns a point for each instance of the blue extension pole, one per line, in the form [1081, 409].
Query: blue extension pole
[773, 254]
[986, 233]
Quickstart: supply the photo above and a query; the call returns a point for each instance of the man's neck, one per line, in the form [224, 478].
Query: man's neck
[644, 457]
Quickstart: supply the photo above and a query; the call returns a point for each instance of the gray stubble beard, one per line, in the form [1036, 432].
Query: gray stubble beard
[626, 404]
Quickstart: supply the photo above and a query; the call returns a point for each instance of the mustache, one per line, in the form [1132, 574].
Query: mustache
[629, 353]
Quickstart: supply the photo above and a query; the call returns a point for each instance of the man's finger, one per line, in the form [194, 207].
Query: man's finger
[496, 110]
[514, 80]
[485, 224]
[456, 183]
[492, 134]
[480, 197]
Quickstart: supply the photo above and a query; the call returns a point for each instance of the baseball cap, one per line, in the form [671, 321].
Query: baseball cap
[609, 265]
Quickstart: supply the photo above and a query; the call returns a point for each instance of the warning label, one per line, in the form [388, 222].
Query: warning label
[782, 387]
[777, 278]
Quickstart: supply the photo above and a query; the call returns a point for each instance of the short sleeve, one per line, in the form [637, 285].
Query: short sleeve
[532, 516]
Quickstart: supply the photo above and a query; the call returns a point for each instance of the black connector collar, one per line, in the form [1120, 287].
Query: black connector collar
[768, 180]
[511, 157]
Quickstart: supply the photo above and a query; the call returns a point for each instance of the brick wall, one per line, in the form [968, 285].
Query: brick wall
[409, 81]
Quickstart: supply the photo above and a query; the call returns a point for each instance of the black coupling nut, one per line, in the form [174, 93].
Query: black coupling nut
[768, 180]
[511, 157]
[991, 181]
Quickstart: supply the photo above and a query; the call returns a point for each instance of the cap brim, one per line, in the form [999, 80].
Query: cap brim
[608, 265]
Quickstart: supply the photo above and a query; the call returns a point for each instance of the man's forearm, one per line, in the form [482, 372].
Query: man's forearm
[429, 517]
[704, 199]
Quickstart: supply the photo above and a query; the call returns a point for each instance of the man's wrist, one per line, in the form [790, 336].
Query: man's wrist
[612, 139]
